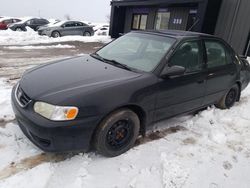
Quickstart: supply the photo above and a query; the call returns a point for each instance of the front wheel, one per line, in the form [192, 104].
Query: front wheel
[228, 100]
[55, 34]
[117, 133]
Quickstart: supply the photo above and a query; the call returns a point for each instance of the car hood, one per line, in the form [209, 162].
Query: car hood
[85, 73]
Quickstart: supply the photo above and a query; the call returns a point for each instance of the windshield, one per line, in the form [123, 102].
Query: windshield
[136, 50]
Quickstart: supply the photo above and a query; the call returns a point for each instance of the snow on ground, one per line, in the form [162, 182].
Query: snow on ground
[208, 150]
[38, 47]
[9, 37]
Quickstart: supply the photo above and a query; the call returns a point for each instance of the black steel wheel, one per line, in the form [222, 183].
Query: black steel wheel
[229, 98]
[117, 133]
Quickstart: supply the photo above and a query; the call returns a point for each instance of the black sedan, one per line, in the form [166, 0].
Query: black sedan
[33, 23]
[105, 100]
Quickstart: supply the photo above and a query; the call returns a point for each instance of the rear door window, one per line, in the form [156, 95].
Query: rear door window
[79, 24]
[217, 54]
[8, 21]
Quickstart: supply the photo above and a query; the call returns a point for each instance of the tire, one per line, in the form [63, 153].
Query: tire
[87, 34]
[18, 29]
[117, 133]
[228, 100]
[55, 34]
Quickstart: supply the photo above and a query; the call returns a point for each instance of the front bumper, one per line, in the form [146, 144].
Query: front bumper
[44, 32]
[53, 136]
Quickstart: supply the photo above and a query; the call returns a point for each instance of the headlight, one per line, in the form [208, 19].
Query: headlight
[56, 113]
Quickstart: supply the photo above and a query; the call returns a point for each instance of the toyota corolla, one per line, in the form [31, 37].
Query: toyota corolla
[107, 99]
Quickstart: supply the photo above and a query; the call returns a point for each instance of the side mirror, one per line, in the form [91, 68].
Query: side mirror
[63, 26]
[173, 71]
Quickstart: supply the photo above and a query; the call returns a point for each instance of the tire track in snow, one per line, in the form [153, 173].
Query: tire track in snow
[159, 134]
[4, 122]
[33, 161]
[29, 163]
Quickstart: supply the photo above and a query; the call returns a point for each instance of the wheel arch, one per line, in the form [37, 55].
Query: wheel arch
[239, 85]
[139, 111]
[54, 32]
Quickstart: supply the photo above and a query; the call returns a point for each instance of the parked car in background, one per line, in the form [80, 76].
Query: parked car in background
[110, 97]
[51, 23]
[4, 22]
[103, 30]
[65, 28]
[33, 23]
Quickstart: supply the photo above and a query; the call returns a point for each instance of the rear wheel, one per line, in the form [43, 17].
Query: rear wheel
[19, 29]
[55, 34]
[87, 34]
[228, 100]
[117, 133]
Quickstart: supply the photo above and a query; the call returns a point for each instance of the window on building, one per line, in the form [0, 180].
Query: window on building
[139, 21]
[162, 20]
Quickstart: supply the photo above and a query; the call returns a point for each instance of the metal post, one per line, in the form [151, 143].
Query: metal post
[248, 48]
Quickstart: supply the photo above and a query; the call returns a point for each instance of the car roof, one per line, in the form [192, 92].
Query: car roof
[176, 33]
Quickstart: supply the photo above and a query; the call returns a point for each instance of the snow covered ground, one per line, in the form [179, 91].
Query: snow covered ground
[9, 37]
[38, 47]
[208, 150]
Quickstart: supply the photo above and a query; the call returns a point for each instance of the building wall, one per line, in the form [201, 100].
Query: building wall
[207, 12]
[233, 24]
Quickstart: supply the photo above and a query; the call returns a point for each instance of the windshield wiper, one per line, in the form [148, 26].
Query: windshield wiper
[116, 63]
[97, 56]
[110, 61]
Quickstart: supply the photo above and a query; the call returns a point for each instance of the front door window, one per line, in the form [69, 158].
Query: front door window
[189, 56]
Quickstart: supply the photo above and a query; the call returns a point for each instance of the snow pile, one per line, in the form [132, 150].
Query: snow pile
[38, 47]
[210, 149]
[9, 37]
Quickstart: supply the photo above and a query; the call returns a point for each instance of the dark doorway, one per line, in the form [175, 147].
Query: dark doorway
[192, 20]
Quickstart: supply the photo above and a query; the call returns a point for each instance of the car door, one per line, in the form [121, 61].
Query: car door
[179, 94]
[221, 70]
[40, 22]
[69, 29]
[79, 28]
[31, 24]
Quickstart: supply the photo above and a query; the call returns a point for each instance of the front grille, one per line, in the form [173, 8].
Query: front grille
[22, 99]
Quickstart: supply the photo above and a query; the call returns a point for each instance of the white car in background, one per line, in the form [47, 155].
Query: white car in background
[102, 29]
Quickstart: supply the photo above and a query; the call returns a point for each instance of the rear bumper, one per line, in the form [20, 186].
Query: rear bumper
[53, 136]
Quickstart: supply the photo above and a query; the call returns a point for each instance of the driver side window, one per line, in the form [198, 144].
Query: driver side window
[189, 56]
